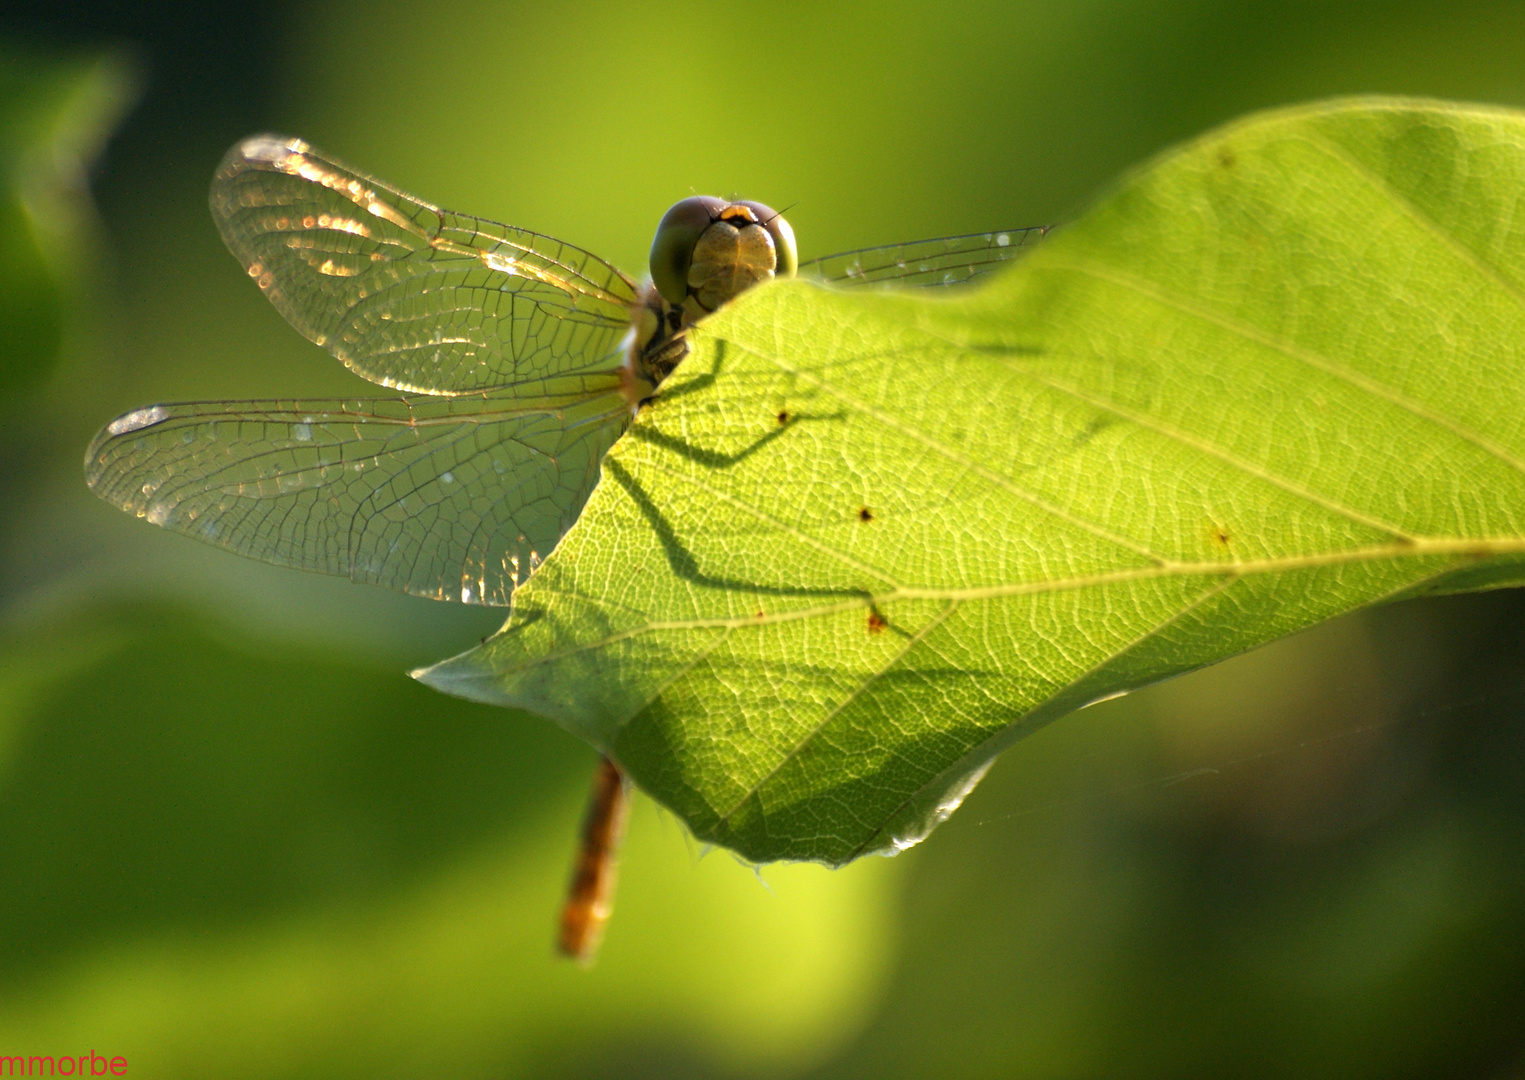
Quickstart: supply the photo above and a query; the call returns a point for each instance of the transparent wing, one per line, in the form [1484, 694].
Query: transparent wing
[948, 260]
[453, 498]
[404, 293]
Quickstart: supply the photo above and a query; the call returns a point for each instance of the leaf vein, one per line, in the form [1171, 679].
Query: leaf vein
[797, 534]
[1216, 589]
[1464, 550]
[1418, 216]
[1296, 352]
[951, 454]
[982, 751]
[856, 693]
[1207, 447]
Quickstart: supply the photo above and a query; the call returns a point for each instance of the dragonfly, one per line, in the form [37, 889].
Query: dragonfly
[517, 360]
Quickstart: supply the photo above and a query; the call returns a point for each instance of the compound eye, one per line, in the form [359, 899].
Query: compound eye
[783, 238]
[672, 250]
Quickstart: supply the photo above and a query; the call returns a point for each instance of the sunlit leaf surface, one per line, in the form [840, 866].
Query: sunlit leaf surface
[863, 542]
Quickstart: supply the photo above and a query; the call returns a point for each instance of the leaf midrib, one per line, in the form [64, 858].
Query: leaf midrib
[1462, 550]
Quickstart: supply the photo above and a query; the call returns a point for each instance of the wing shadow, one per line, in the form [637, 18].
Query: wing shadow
[682, 561]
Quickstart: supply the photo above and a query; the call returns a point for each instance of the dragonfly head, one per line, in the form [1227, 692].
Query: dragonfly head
[708, 250]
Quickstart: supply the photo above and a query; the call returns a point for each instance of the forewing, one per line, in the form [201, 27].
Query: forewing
[404, 293]
[948, 260]
[454, 498]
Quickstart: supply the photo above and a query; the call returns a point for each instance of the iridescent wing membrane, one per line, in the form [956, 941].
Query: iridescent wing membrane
[508, 340]
[949, 260]
[452, 498]
[404, 293]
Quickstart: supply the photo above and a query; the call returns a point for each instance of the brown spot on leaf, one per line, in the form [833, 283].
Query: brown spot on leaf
[876, 622]
[783, 416]
[865, 514]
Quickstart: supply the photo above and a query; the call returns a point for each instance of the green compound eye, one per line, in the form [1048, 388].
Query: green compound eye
[672, 250]
[736, 244]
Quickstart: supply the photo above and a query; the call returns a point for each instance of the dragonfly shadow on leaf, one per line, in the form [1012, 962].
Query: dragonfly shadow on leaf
[682, 561]
[698, 382]
[715, 459]
[1105, 418]
[1001, 348]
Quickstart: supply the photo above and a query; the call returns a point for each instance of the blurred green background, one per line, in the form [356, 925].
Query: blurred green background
[236, 840]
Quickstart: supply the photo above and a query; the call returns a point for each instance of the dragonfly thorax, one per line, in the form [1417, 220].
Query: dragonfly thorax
[656, 344]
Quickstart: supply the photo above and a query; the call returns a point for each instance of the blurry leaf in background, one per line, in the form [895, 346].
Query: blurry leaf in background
[55, 117]
[31, 324]
[193, 848]
[856, 548]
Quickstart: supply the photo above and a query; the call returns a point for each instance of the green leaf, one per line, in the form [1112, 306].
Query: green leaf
[863, 543]
[55, 117]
